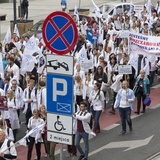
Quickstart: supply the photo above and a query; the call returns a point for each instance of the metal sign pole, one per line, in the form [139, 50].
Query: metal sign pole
[14, 12]
[61, 151]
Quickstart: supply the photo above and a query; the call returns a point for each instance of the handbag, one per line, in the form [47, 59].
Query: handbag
[147, 101]
[104, 87]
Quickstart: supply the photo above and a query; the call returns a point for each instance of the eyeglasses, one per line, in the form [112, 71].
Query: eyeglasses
[14, 84]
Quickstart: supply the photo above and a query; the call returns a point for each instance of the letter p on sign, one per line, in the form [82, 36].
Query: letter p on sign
[59, 92]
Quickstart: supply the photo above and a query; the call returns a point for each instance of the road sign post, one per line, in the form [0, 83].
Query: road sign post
[60, 35]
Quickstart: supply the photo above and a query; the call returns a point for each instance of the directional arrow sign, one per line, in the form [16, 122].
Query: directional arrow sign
[124, 144]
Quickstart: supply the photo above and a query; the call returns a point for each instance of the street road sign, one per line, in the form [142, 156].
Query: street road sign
[124, 69]
[59, 138]
[60, 64]
[59, 94]
[59, 123]
[60, 32]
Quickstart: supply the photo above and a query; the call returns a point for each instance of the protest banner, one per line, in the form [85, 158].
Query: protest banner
[124, 69]
[139, 43]
[86, 64]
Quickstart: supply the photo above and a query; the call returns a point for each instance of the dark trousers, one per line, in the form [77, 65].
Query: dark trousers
[30, 148]
[15, 134]
[152, 75]
[28, 115]
[140, 98]
[79, 99]
[96, 115]
[114, 99]
[125, 115]
[72, 148]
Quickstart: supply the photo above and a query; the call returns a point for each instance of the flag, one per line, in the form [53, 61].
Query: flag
[82, 55]
[1, 67]
[27, 63]
[31, 46]
[100, 38]
[76, 13]
[97, 10]
[41, 62]
[36, 129]
[114, 11]
[16, 30]
[8, 36]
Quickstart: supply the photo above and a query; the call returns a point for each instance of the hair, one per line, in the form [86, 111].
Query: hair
[12, 93]
[83, 103]
[2, 123]
[101, 70]
[80, 83]
[36, 111]
[11, 59]
[42, 83]
[7, 78]
[99, 90]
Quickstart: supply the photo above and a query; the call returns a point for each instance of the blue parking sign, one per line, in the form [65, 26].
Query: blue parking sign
[60, 94]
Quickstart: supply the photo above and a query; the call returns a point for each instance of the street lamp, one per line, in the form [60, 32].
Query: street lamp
[14, 12]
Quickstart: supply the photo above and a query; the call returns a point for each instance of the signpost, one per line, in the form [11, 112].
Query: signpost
[60, 36]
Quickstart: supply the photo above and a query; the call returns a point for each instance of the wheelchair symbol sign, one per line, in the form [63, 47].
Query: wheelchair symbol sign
[59, 123]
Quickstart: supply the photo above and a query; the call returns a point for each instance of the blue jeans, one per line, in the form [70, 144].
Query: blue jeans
[78, 137]
[125, 114]
[96, 116]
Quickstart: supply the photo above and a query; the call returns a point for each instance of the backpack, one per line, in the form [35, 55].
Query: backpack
[8, 144]
[91, 120]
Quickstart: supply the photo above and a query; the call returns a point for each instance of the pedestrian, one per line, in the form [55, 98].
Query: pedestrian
[6, 153]
[36, 138]
[82, 130]
[24, 6]
[11, 115]
[64, 5]
[30, 99]
[96, 99]
[124, 102]
[142, 88]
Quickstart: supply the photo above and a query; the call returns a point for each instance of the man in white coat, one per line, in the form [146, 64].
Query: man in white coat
[30, 100]
[42, 93]
[82, 130]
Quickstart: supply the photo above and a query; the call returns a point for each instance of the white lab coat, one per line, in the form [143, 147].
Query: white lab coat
[85, 120]
[42, 96]
[11, 114]
[34, 104]
[11, 151]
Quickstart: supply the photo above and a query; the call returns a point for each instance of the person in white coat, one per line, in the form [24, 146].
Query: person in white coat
[82, 130]
[8, 131]
[36, 138]
[42, 93]
[6, 153]
[18, 93]
[96, 99]
[30, 99]
[11, 115]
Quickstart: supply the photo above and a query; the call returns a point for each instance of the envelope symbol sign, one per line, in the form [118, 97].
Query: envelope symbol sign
[63, 107]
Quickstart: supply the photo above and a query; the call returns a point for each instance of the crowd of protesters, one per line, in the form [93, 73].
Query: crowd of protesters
[94, 86]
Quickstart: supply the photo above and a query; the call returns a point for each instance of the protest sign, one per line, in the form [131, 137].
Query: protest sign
[124, 69]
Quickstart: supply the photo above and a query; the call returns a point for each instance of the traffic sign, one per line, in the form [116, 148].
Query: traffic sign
[60, 64]
[59, 123]
[59, 138]
[59, 94]
[60, 32]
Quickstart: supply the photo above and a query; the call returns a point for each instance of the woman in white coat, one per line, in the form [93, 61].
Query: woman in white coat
[96, 99]
[11, 115]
